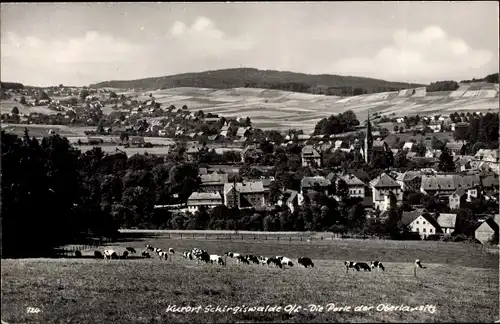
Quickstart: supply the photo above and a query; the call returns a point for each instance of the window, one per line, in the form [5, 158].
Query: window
[423, 222]
[430, 230]
[423, 230]
[417, 222]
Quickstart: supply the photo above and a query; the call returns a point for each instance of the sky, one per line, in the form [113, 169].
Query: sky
[82, 43]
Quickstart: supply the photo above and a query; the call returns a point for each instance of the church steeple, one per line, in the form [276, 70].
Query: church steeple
[368, 140]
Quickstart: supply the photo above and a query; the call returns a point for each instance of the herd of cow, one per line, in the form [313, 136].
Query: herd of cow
[202, 256]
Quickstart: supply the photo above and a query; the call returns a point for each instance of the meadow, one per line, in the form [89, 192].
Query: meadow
[460, 281]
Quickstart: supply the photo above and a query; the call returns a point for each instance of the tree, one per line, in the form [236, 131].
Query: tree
[396, 128]
[42, 95]
[446, 163]
[22, 101]
[15, 111]
[184, 107]
[84, 94]
[113, 95]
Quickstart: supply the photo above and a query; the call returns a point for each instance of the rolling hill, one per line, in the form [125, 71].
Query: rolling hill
[282, 110]
[268, 79]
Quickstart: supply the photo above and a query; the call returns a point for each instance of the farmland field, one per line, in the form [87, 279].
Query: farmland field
[460, 283]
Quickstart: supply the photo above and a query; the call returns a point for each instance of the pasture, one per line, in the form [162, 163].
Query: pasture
[460, 281]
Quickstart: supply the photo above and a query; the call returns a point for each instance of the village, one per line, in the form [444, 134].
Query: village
[433, 179]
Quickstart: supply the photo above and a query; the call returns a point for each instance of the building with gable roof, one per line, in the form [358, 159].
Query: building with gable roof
[244, 195]
[310, 156]
[381, 187]
[213, 182]
[447, 222]
[205, 199]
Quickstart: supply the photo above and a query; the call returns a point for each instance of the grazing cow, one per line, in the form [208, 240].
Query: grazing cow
[130, 249]
[275, 262]
[98, 254]
[252, 258]
[170, 250]
[78, 254]
[214, 258]
[263, 260]
[158, 250]
[286, 262]
[232, 254]
[125, 254]
[149, 247]
[306, 262]
[146, 254]
[163, 255]
[202, 256]
[418, 264]
[378, 265]
[242, 259]
[357, 266]
[187, 255]
[110, 254]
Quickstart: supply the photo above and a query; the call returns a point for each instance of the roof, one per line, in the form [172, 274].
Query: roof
[241, 131]
[384, 181]
[491, 223]
[253, 148]
[378, 143]
[214, 178]
[204, 196]
[409, 217]
[352, 180]
[487, 153]
[410, 175]
[310, 150]
[245, 187]
[408, 145]
[447, 220]
[454, 145]
[449, 181]
[310, 182]
[490, 181]
[460, 192]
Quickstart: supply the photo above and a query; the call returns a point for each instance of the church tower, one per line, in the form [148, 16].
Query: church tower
[368, 140]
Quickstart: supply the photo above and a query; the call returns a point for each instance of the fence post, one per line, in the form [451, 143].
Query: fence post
[181, 236]
[193, 236]
[278, 238]
[230, 237]
[415, 272]
[290, 238]
[301, 238]
[242, 237]
[205, 236]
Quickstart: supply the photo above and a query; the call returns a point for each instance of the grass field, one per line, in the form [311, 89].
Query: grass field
[460, 281]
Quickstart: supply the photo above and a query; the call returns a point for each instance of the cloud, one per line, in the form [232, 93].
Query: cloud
[204, 38]
[426, 55]
[89, 55]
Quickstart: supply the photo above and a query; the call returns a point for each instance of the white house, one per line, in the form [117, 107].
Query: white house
[355, 185]
[382, 186]
[447, 222]
[205, 199]
[420, 222]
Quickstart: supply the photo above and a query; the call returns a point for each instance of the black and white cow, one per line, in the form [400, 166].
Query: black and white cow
[145, 254]
[252, 258]
[232, 254]
[214, 258]
[242, 259]
[163, 255]
[306, 262]
[170, 250]
[377, 265]
[357, 265]
[130, 249]
[124, 255]
[110, 254]
[98, 254]
[150, 247]
[418, 264]
[263, 260]
[188, 255]
[78, 254]
[286, 262]
[274, 262]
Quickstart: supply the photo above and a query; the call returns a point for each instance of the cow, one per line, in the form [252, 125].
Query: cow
[214, 258]
[377, 265]
[275, 262]
[242, 259]
[130, 249]
[286, 262]
[146, 254]
[418, 264]
[263, 260]
[78, 254]
[202, 256]
[232, 254]
[356, 265]
[170, 250]
[158, 250]
[149, 247]
[110, 254]
[252, 258]
[188, 255]
[163, 255]
[125, 254]
[306, 262]
[98, 254]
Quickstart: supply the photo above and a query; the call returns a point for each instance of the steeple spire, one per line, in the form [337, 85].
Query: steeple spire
[368, 139]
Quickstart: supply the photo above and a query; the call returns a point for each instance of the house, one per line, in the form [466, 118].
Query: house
[244, 195]
[447, 222]
[457, 198]
[303, 137]
[448, 183]
[455, 148]
[409, 181]
[136, 141]
[355, 185]
[382, 186]
[487, 155]
[436, 126]
[408, 146]
[192, 150]
[463, 164]
[251, 154]
[490, 182]
[243, 132]
[290, 199]
[400, 120]
[473, 193]
[420, 222]
[213, 182]
[459, 125]
[487, 230]
[205, 199]
[317, 183]
[310, 156]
